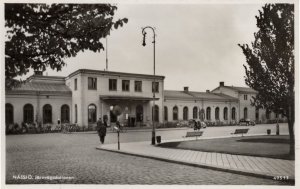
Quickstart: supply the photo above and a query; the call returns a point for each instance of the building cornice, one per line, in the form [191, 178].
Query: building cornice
[237, 90]
[43, 93]
[201, 99]
[110, 73]
[46, 78]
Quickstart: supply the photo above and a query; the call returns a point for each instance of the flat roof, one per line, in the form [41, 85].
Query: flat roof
[101, 72]
[238, 89]
[192, 95]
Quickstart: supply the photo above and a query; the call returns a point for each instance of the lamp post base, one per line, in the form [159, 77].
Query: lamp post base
[153, 138]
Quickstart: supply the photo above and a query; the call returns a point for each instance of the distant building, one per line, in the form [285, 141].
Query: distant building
[85, 95]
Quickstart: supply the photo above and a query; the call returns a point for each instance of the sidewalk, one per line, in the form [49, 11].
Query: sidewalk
[136, 129]
[240, 164]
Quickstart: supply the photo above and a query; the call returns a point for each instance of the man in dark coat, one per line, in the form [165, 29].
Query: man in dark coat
[101, 128]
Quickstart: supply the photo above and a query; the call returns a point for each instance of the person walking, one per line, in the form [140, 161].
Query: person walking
[101, 128]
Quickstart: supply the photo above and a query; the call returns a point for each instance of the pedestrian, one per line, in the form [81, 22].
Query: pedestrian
[101, 128]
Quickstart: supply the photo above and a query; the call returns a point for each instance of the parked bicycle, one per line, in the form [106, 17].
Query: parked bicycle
[121, 127]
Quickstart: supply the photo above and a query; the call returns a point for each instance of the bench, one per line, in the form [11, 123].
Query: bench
[194, 134]
[240, 131]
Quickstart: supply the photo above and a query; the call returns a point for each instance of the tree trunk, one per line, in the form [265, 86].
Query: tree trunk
[291, 129]
[292, 137]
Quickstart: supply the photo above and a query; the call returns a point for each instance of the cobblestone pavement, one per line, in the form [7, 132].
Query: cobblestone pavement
[74, 155]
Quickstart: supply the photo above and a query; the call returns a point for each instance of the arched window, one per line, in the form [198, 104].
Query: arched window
[245, 113]
[233, 113]
[92, 113]
[28, 113]
[257, 114]
[225, 113]
[268, 114]
[185, 113]
[76, 113]
[195, 112]
[166, 113]
[208, 117]
[217, 112]
[9, 113]
[139, 113]
[156, 113]
[65, 114]
[202, 114]
[47, 113]
[175, 113]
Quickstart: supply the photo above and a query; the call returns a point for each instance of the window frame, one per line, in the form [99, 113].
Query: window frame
[45, 118]
[93, 118]
[155, 87]
[185, 113]
[245, 111]
[225, 113]
[195, 112]
[165, 113]
[93, 84]
[155, 113]
[233, 113]
[28, 113]
[9, 113]
[112, 84]
[175, 114]
[138, 86]
[217, 113]
[126, 85]
[208, 113]
[65, 111]
[76, 114]
[75, 84]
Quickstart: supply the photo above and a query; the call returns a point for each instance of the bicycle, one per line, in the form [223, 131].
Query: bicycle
[122, 128]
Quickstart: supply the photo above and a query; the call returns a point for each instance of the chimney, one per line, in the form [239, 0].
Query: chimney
[222, 84]
[36, 72]
[186, 89]
[207, 91]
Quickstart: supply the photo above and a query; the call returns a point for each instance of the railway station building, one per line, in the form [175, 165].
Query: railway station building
[85, 95]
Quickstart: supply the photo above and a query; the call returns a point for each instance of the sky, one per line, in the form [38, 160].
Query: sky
[196, 44]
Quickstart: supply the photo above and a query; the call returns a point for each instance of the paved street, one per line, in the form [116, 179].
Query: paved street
[75, 156]
[260, 166]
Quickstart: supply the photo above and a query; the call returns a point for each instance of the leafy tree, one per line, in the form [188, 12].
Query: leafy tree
[43, 35]
[270, 59]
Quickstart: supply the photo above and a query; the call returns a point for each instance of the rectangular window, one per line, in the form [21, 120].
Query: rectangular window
[155, 87]
[76, 113]
[112, 84]
[125, 85]
[92, 83]
[138, 86]
[75, 84]
[245, 97]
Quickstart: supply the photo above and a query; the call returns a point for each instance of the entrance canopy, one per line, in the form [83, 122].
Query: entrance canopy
[129, 98]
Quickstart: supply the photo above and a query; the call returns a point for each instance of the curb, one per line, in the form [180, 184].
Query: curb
[216, 168]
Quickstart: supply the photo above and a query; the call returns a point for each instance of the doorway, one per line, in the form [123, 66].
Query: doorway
[139, 113]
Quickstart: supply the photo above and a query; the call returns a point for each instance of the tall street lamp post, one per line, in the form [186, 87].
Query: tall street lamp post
[153, 85]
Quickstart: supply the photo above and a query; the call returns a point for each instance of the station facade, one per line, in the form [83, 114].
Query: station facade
[86, 95]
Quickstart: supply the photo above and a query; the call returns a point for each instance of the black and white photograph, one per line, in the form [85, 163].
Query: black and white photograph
[149, 93]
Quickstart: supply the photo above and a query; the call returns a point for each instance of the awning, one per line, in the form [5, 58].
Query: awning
[129, 98]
